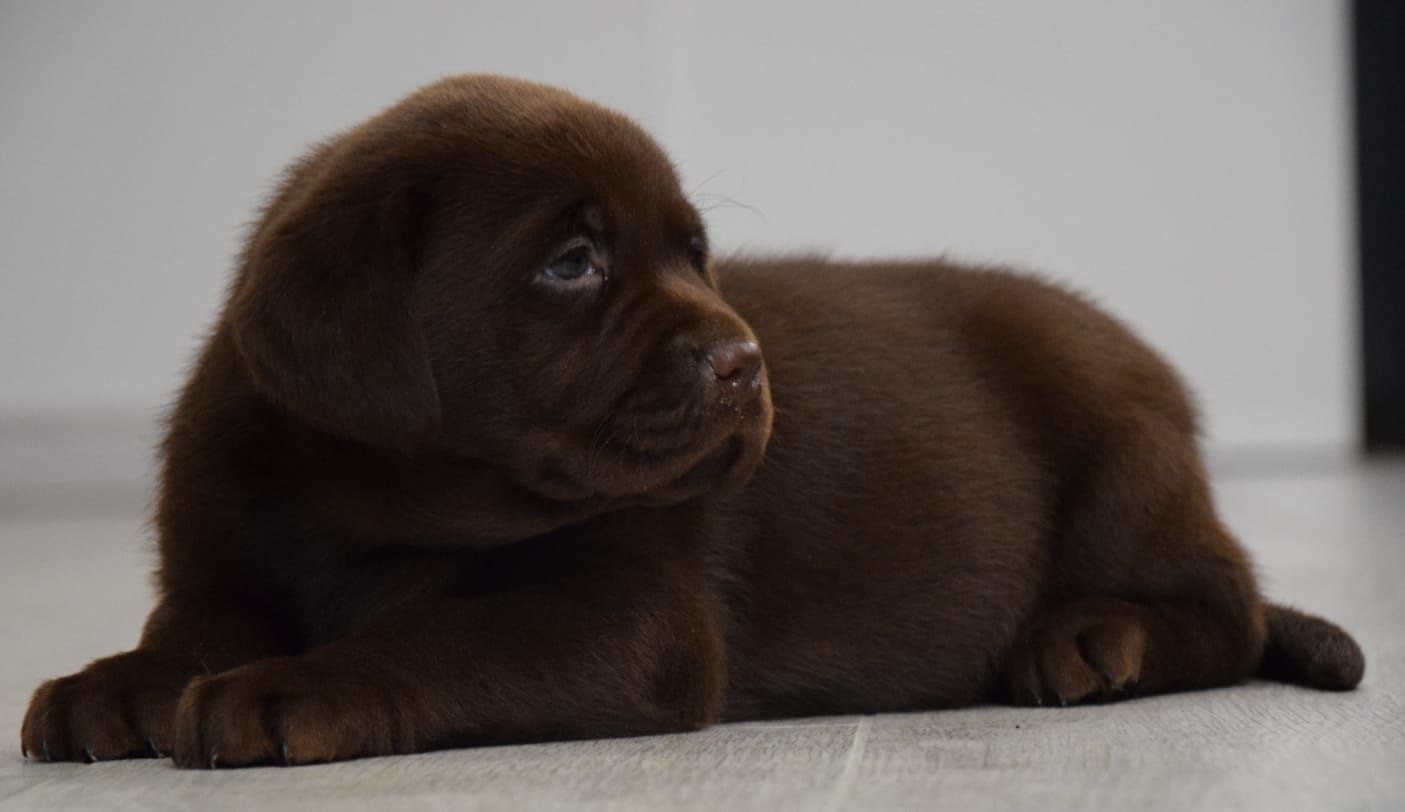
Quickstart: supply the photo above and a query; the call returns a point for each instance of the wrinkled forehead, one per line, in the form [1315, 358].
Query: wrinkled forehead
[560, 154]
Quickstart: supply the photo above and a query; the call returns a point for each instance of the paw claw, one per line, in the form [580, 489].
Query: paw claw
[287, 756]
[155, 751]
[103, 712]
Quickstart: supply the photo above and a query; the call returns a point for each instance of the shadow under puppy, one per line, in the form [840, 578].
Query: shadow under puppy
[483, 448]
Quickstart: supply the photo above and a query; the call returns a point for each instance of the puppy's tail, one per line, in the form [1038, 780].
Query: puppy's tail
[1306, 650]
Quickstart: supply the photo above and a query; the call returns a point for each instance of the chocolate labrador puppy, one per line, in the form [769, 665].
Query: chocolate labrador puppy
[487, 447]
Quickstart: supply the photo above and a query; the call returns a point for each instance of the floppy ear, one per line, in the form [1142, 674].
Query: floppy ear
[323, 316]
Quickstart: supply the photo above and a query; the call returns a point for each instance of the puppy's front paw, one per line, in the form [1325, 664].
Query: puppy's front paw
[283, 711]
[1079, 652]
[118, 707]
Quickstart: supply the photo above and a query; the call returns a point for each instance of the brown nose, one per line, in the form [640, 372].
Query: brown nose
[736, 363]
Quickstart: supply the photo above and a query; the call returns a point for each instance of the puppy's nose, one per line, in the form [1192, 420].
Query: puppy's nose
[736, 363]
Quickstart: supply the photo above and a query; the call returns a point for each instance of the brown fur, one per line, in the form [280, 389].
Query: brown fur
[418, 493]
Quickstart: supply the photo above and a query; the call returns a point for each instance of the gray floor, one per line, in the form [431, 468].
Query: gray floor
[74, 587]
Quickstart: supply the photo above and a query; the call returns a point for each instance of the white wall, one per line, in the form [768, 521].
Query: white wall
[1186, 161]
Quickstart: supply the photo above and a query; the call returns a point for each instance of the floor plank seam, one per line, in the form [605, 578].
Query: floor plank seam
[844, 787]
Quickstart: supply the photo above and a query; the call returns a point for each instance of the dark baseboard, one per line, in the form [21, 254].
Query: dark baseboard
[1378, 32]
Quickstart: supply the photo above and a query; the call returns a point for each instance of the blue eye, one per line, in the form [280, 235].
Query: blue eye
[577, 263]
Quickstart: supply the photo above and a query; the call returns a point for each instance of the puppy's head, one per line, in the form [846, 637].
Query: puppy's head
[503, 271]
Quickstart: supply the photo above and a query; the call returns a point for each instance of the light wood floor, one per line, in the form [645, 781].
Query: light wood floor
[73, 585]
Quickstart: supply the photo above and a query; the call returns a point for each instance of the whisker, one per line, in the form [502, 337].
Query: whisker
[705, 181]
[708, 201]
[597, 442]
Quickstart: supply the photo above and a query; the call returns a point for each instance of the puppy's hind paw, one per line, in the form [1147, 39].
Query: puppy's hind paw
[1080, 652]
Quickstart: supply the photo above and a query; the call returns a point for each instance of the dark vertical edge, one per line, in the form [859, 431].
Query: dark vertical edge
[1378, 38]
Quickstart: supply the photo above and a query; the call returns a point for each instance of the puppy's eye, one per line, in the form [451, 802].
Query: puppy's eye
[697, 253]
[577, 263]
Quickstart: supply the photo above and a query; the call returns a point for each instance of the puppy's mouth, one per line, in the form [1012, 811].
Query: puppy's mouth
[715, 469]
[715, 444]
[712, 466]
[653, 453]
